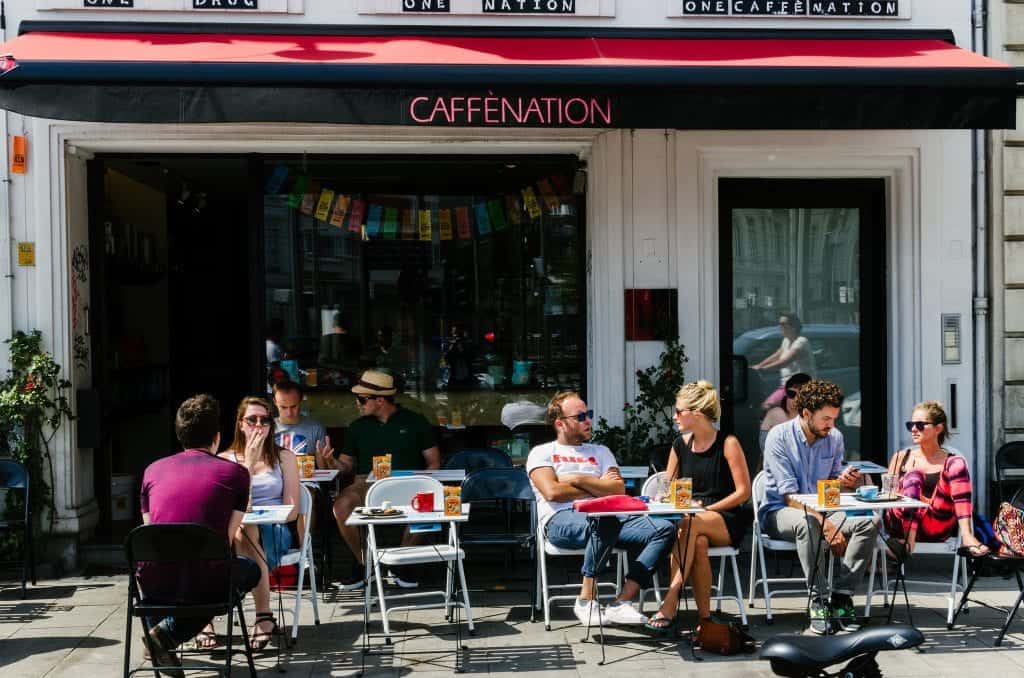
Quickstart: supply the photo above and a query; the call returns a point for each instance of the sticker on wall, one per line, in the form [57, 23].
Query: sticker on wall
[339, 211]
[323, 205]
[532, 206]
[426, 230]
[26, 254]
[276, 180]
[19, 154]
[444, 223]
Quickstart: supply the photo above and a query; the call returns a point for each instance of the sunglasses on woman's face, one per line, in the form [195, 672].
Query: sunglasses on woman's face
[790, 393]
[917, 425]
[257, 421]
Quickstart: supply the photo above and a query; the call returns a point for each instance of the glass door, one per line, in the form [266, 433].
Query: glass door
[797, 296]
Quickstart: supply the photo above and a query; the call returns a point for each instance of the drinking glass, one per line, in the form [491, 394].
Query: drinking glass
[887, 488]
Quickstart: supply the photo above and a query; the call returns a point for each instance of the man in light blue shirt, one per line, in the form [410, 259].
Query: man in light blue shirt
[797, 454]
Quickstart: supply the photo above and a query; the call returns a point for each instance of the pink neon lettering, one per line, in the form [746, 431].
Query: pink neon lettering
[498, 110]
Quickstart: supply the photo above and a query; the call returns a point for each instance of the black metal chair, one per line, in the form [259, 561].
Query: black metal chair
[474, 460]
[14, 476]
[993, 566]
[501, 487]
[190, 551]
[1009, 466]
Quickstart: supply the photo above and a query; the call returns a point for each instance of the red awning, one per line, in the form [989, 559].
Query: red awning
[405, 50]
[732, 80]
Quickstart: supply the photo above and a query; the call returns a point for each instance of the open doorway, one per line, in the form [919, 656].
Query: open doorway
[172, 243]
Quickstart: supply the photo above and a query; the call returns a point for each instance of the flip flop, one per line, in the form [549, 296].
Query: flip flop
[977, 550]
[660, 624]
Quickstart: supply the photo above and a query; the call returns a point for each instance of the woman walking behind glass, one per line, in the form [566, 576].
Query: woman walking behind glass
[721, 484]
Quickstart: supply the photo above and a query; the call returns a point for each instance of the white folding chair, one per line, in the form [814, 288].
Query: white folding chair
[545, 549]
[303, 558]
[650, 488]
[950, 589]
[399, 491]
[761, 543]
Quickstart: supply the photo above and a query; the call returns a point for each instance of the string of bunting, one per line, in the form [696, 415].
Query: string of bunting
[356, 216]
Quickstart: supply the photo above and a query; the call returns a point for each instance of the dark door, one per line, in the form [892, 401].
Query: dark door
[809, 253]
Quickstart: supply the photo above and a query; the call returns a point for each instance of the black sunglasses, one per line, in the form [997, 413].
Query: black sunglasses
[919, 425]
[363, 399]
[258, 421]
[790, 393]
[581, 417]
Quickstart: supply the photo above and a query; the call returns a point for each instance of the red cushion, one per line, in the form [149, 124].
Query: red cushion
[609, 504]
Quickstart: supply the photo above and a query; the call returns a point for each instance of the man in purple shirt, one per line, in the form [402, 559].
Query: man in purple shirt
[797, 454]
[193, 486]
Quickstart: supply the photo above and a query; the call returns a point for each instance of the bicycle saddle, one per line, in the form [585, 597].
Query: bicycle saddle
[817, 652]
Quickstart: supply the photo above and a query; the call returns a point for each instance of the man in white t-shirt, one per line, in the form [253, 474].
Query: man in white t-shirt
[570, 468]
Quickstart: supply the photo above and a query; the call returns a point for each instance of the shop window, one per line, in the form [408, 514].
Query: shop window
[462, 276]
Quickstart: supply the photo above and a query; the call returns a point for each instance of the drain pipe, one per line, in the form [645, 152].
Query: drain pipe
[982, 465]
[6, 241]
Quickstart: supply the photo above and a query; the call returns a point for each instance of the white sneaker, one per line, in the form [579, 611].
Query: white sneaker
[623, 613]
[586, 611]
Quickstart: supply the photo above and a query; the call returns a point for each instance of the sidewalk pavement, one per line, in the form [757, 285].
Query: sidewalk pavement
[75, 627]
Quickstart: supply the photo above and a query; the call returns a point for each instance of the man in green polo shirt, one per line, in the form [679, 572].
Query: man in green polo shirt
[383, 427]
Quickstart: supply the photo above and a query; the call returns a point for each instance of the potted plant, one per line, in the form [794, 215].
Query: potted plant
[648, 421]
[33, 406]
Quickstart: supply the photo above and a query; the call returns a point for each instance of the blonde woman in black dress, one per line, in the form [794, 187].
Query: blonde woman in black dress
[721, 484]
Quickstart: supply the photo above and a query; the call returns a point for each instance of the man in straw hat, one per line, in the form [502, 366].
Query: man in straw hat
[383, 427]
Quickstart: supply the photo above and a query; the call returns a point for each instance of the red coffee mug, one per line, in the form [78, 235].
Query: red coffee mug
[423, 502]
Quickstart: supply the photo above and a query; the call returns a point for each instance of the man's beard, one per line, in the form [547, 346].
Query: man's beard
[577, 438]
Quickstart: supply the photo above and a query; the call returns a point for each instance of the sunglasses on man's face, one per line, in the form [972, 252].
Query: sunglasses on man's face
[363, 399]
[918, 425]
[257, 421]
[581, 417]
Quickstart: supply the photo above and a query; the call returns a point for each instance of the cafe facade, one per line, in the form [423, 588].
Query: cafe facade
[494, 200]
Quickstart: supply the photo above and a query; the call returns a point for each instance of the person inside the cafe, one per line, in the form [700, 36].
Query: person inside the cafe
[275, 482]
[571, 468]
[383, 427]
[715, 462]
[930, 473]
[786, 409]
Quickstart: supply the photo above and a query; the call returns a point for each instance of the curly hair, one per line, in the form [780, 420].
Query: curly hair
[700, 396]
[816, 394]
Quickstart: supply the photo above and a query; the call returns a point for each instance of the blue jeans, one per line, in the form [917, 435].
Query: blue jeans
[276, 539]
[647, 540]
[245, 575]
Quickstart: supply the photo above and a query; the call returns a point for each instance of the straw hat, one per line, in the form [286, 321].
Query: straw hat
[375, 383]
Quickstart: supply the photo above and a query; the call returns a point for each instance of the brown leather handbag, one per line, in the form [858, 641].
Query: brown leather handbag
[724, 639]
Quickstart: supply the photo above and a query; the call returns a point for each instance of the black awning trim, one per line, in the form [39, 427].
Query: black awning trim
[440, 77]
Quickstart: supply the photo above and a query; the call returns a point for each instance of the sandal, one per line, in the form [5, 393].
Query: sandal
[259, 639]
[207, 639]
[977, 550]
[661, 624]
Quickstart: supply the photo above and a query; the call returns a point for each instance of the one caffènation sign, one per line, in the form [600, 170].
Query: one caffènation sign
[816, 9]
[490, 7]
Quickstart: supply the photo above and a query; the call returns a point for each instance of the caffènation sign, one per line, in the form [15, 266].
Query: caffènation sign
[817, 9]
